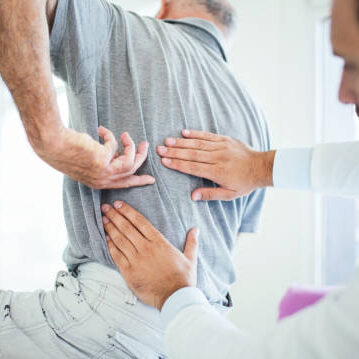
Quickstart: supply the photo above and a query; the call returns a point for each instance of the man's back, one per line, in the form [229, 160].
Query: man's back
[153, 79]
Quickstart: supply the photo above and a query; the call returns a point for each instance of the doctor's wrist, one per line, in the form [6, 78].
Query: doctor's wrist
[263, 169]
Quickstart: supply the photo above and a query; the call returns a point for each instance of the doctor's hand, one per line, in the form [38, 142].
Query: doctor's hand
[235, 167]
[151, 266]
[97, 166]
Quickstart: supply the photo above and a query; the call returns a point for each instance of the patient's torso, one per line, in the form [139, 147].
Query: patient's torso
[153, 79]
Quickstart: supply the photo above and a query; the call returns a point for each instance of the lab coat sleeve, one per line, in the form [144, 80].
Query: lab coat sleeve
[327, 330]
[331, 169]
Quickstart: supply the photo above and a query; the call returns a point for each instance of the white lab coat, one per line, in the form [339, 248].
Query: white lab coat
[327, 330]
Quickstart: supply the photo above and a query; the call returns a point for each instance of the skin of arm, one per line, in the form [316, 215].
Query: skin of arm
[26, 69]
[151, 266]
[235, 167]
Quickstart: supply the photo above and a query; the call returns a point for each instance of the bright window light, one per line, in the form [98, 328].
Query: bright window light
[32, 229]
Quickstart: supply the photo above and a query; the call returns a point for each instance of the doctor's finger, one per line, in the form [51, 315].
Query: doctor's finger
[203, 170]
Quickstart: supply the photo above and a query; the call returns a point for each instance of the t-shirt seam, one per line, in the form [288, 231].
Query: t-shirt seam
[59, 42]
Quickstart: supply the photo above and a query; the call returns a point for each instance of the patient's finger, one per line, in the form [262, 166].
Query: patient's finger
[129, 152]
[117, 165]
[141, 156]
[117, 255]
[201, 135]
[118, 182]
[130, 181]
[191, 144]
[133, 181]
[188, 155]
[109, 140]
[203, 170]
[122, 225]
[213, 194]
[139, 221]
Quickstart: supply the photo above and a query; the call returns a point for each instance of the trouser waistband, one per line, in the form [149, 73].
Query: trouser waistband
[101, 273]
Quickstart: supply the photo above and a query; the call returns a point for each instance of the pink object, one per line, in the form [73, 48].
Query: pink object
[299, 297]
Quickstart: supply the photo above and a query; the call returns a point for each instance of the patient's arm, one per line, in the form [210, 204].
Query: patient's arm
[26, 69]
[25, 65]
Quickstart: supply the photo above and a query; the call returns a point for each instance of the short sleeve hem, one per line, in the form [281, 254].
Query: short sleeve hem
[59, 27]
[249, 228]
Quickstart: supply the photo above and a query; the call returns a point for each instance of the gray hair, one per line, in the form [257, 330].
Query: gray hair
[222, 10]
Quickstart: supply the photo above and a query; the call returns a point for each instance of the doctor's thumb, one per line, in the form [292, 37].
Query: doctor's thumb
[191, 248]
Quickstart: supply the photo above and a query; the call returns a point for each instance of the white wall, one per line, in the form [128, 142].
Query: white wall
[274, 55]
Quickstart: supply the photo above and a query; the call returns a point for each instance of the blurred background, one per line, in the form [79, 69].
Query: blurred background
[282, 53]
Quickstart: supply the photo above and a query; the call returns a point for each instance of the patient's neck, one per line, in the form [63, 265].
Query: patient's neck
[183, 12]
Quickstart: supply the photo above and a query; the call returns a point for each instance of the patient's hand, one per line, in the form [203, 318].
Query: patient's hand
[151, 266]
[95, 165]
[235, 167]
[25, 67]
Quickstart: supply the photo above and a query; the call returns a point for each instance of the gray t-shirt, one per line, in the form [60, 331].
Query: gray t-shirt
[154, 78]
